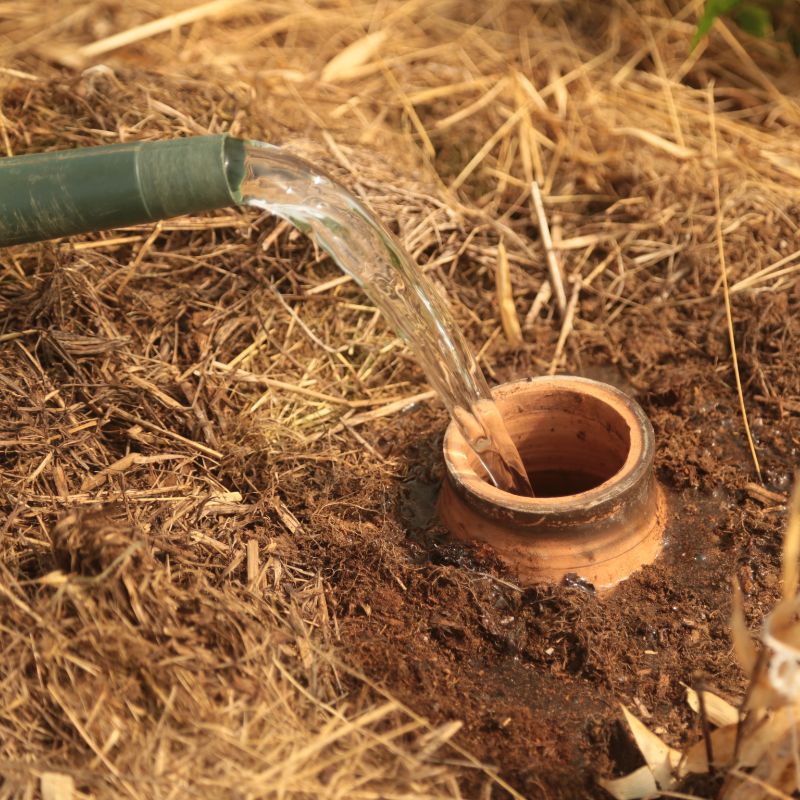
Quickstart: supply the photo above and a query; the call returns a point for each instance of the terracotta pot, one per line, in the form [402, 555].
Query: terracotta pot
[598, 515]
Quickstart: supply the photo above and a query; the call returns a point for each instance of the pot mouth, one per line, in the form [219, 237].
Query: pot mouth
[586, 444]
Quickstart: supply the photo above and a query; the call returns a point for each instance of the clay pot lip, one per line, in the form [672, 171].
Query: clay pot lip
[637, 467]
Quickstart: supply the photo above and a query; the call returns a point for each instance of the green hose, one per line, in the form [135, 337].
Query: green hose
[48, 195]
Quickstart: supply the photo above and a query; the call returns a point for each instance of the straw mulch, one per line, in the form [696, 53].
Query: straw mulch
[203, 425]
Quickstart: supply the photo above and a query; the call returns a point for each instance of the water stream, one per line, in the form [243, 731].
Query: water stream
[293, 189]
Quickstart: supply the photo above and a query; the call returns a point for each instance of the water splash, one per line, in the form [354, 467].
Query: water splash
[293, 189]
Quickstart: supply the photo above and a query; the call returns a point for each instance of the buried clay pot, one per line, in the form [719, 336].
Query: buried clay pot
[598, 513]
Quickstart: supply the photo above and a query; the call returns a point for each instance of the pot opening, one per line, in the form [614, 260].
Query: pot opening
[563, 482]
[570, 442]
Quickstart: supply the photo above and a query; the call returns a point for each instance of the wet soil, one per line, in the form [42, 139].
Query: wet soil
[537, 673]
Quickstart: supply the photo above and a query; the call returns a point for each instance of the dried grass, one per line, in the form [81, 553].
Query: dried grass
[180, 402]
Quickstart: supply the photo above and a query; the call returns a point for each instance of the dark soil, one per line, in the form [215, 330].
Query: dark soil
[537, 674]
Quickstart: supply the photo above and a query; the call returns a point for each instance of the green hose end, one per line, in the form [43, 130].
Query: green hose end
[48, 195]
[184, 176]
[234, 155]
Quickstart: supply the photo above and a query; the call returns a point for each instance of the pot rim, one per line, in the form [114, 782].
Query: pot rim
[637, 466]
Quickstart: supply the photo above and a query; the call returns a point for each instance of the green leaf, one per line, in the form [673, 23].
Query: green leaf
[753, 19]
[712, 10]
